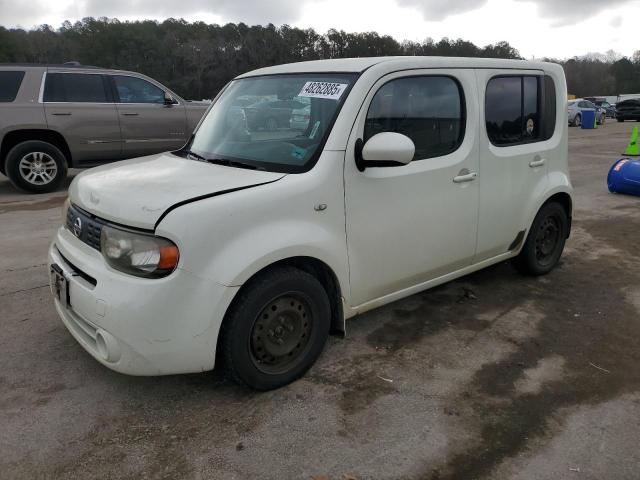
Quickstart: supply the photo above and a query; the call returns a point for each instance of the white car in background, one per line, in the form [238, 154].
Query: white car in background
[246, 248]
[300, 118]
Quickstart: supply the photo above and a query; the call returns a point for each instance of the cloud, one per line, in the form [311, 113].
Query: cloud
[616, 22]
[441, 9]
[569, 12]
[249, 11]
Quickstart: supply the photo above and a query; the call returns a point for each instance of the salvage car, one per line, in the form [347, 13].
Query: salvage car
[245, 249]
[57, 117]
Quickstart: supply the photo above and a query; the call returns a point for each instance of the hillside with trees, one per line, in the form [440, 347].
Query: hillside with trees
[197, 59]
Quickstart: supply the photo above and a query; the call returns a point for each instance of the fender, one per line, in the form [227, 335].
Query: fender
[561, 184]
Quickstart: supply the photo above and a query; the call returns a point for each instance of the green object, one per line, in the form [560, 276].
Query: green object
[633, 149]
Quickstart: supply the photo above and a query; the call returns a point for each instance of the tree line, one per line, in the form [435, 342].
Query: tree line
[197, 59]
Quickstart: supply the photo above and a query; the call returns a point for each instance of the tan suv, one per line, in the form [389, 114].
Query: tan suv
[56, 117]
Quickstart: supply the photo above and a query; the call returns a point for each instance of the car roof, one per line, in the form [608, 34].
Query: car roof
[61, 68]
[358, 65]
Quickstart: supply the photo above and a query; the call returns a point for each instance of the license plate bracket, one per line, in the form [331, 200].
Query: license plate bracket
[59, 285]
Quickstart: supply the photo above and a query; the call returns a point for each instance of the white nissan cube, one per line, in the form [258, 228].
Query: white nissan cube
[253, 242]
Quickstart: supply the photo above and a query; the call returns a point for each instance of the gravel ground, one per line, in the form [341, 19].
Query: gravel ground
[492, 376]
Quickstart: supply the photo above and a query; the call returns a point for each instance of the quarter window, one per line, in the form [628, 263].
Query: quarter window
[428, 110]
[75, 87]
[137, 90]
[549, 108]
[9, 85]
[520, 109]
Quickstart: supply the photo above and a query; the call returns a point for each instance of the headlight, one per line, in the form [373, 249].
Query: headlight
[138, 254]
[65, 210]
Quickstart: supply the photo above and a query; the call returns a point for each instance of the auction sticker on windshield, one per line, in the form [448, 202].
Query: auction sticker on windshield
[328, 90]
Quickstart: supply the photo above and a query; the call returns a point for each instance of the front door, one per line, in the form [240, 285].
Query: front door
[148, 124]
[410, 224]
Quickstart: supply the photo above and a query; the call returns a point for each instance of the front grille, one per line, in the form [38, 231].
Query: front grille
[85, 226]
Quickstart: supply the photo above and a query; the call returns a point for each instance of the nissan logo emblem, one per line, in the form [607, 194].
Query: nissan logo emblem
[77, 227]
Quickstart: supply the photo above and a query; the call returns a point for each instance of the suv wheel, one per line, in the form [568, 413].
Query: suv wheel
[275, 329]
[36, 166]
[545, 242]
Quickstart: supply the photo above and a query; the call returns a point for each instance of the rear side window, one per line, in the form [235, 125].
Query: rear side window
[9, 85]
[137, 90]
[75, 87]
[549, 111]
[520, 109]
[428, 110]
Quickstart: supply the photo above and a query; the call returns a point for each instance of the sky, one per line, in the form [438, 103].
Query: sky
[537, 28]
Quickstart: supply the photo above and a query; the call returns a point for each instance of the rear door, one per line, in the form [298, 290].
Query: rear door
[80, 107]
[148, 124]
[514, 151]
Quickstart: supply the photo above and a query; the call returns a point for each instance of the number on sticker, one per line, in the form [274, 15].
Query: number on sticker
[332, 91]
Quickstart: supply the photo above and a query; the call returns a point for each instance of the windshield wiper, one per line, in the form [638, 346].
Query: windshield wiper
[189, 153]
[232, 163]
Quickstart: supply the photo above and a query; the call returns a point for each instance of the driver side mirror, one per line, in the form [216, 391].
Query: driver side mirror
[385, 149]
[168, 99]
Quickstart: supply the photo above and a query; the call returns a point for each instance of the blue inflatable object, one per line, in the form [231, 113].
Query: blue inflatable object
[624, 177]
[588, 119]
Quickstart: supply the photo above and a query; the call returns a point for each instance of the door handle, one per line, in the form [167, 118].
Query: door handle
[465, 176]
[130, 114]
[60, 114]
[537, 163]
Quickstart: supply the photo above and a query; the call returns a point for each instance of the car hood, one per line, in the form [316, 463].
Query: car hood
[138, 192]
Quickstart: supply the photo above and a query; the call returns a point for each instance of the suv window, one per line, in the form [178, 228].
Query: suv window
[137, 90]
[518, 111]
[75, 87]
[428, 110]
[9, 84]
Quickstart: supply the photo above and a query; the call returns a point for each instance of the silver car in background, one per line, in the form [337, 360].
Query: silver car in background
[577, 107]
[56, 117]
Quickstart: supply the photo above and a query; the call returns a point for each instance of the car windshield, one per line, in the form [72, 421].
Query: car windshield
[276, 122]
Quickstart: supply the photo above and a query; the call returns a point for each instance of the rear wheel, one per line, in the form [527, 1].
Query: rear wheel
[275, 329]
[545, 242]
[36, 166]
[620, 120]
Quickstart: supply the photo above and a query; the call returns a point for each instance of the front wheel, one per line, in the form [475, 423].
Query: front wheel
[275, 329]
[36, 166]
[578, 120]
[545, 242]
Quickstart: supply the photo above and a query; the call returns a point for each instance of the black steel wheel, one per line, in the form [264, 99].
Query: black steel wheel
[545, 242]
[275, 328]
[281, 333]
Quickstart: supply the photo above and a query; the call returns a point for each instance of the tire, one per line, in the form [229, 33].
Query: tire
[284, 305]
[577, 121]
[620, 120]
[602, 119]
[36, 166]
[545, 242]
[271, 124]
